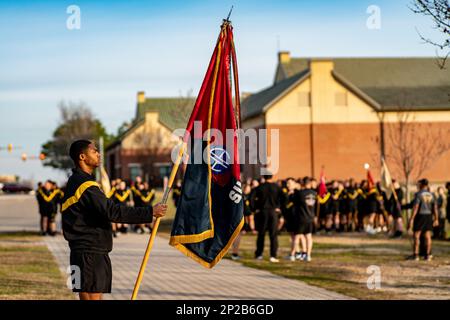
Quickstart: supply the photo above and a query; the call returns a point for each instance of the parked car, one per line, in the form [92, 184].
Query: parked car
[16, 188]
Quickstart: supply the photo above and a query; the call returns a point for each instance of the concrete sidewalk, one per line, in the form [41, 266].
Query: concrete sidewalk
[171, 275]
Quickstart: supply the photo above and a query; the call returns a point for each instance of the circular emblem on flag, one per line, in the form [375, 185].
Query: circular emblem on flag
[219, 159]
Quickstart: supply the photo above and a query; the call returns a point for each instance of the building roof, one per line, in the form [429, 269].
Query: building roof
[390, 84]
[415, 83]
[173, 112]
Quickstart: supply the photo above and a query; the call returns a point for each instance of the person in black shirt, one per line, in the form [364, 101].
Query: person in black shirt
[447, 207]
[394, 205]
[143, 197]
[268, 198]
[122, 196]
[350, 205]
[325, 212]
[304, 204]
[291, 220]
[86, 220]
[336, 193]
[439, 230]
[176, 193]
[249, 225]
[43, 219]
[361, 204]
[372, 208]
[48, 198]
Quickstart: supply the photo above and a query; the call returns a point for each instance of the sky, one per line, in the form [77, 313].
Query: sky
[163, 48]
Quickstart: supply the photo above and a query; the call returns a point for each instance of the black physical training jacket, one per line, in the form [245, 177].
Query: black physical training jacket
[87, 214]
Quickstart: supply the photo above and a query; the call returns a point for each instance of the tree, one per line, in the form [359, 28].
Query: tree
[439, 11]
[77, 122]
[413, 147]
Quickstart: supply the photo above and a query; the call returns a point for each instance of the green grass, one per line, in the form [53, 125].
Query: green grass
[28, 269]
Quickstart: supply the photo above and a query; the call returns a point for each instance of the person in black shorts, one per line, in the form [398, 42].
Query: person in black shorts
[424, 218]
[304, 209]
[395, 209]
[86, 220]
[291, 219]
[324, 211]
[361, 205]
[268, 199]
[48, 199]
[350, 205]
[372, 208]
[249, 222]
[336, 193]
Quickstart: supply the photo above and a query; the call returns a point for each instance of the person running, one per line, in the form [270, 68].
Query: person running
[268, 198]
[424, 209]
[86, 219]
[305, 204]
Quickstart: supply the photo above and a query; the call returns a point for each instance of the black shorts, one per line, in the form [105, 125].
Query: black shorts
[95, 272]
[423, 223]
[50, 216]
[372, 207]
[304, 227]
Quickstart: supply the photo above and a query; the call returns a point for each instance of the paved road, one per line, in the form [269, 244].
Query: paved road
[169, 274]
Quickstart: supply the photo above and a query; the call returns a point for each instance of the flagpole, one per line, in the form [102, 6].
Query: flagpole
[156, 225]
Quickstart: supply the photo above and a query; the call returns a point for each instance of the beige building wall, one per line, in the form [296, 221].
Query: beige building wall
[150, 134]
[291, 108]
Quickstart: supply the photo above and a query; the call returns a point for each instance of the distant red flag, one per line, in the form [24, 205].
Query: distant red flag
[370, 180]
[322, 185]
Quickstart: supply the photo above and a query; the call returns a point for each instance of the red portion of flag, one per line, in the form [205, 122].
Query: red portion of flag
[322, 185]
[215, 112]
[370, 181]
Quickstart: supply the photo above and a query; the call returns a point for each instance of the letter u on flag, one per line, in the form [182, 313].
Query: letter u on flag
[210, 210]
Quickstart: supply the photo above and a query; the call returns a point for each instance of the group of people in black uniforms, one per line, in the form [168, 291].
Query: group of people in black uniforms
[139, 194]
[303, 207]
[49, 198]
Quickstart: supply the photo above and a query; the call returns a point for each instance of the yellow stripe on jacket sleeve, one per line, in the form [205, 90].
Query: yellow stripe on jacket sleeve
[76, 197]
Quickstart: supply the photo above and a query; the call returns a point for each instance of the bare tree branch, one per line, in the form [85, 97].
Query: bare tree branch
[439, 11]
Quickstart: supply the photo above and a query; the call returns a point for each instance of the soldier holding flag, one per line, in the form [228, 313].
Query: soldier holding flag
[86, 219]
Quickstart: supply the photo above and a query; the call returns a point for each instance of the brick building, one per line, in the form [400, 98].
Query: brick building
[144, 148]
[340, 113]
